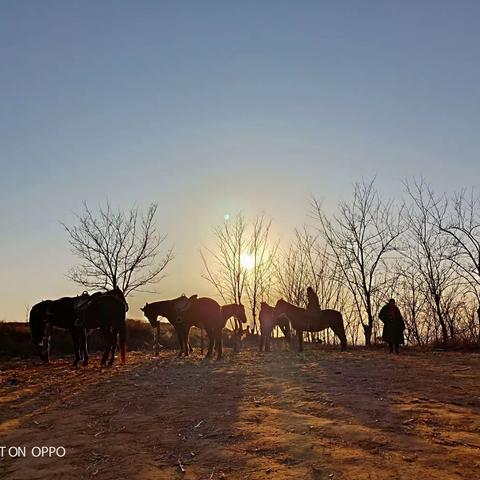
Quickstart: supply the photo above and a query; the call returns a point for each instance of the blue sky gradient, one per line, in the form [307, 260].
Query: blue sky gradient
[214, 107]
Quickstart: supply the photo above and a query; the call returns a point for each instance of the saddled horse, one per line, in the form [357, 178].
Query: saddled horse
[206, 313]
[61, 314]
[107, 312]
[268, 323]
[303, 321]
[172, 311]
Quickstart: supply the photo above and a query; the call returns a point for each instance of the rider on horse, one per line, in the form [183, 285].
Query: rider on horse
[313, 305]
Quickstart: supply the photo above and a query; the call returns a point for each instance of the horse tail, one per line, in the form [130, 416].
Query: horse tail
[122, 333]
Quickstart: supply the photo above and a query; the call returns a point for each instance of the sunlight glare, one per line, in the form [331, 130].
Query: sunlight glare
[247, 261]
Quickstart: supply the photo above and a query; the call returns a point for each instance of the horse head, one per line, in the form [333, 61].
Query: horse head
[148, 311]
[240, 314]
[284, 324]
[280, 317]
[279, 308]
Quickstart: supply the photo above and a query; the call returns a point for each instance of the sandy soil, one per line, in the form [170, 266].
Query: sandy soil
[283, 415]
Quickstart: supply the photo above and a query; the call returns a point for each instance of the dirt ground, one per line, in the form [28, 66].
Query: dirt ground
[283, 415]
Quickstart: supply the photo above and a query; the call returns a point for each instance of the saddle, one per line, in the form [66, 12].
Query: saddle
[182, 305]
[85, 300]
[311, 317]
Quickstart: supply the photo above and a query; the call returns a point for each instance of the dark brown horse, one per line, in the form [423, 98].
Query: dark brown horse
[206, 313]
[58, 313]
[107, 312]
[303, 321]
[268, 323]
[172, 310]
[103, 310]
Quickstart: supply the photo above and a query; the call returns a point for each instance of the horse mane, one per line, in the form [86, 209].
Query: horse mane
[265, 310]
[151, 307]
[290, 305]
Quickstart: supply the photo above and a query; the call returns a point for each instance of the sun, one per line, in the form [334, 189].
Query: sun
[247, 261]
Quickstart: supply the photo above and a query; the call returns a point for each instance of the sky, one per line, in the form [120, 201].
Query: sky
[210, 108]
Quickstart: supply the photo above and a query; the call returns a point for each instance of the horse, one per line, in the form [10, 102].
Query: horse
[206, 313]
[107, 312]
[237, 311]
[78, 314]
[267, 324]
[61, 314]
[302, 320]
[172, 311]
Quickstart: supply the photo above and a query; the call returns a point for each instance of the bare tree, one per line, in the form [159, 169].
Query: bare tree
[223, 263]
[239, 243]
[428, 250]
[117, 249]
[293, 272]
[260, 277]
[411, 300]
[463, 228]
[360, 236]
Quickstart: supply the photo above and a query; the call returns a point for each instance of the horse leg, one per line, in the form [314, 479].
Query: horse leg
[339, 331]
[268, 339]
[219, 345]
[84, 346]
[107, 335]
[76, 346]
[186, 345]
[179, 332]
[47, 334]
[300, 340]
[211, 343]
[123, 339]
[113, 346]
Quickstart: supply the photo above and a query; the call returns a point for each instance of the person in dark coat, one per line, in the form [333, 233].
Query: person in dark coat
[313, 305]
[393, 325]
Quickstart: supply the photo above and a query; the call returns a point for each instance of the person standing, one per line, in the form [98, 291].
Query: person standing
[393, 325]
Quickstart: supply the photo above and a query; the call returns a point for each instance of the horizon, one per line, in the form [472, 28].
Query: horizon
[215, 109]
